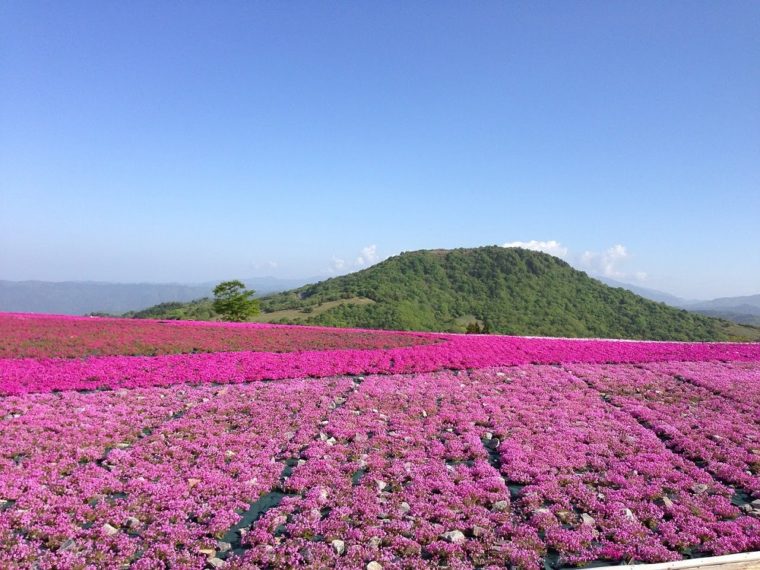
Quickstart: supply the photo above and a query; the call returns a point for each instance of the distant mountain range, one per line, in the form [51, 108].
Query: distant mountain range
[83, 297]
[744, 310]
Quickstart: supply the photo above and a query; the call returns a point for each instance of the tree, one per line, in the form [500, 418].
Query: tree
[234, 302]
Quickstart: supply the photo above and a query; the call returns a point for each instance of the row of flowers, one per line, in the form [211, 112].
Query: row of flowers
[23, 375]
[144, 478]
[56, 336]
[520, 466]
[698, 423]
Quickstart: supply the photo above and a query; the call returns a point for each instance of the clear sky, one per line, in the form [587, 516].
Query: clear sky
[193, 141]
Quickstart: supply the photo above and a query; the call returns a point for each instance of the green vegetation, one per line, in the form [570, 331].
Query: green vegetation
[499, 290]
[508, 290]
[198, 310]
[233, 302]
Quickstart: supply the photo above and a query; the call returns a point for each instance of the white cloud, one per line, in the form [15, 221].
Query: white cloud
[552, 247]
[337, 265]
[265, 265]
[608, 263]
[367, 256]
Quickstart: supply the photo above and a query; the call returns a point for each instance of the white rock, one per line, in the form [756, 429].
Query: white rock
[380, 484]
[375, 542]
[404, 507]
[454, 536]
[223, 546]
[501, 505]
[374, 566]
[133, 522]
[667, 502]
[478, 531]
[215, 562]
[587, 519]
[338, 546]
[109, 530]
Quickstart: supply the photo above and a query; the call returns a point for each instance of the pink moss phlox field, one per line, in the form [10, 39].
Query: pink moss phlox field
[24, 375]
[56, 336]
[506, 467]
[699, 424]
[147, 477]
[404, 450]
[737, 381]
[598, 484]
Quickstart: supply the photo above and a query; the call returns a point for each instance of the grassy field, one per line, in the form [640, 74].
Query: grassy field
[297, 315]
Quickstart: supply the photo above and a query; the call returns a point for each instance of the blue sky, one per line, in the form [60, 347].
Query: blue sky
[169, 141]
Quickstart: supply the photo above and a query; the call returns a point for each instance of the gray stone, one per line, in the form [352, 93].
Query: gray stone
[501, 505]
[374, 566]
[215, 562]
[223, 546]
[454, 536]
[587, 519]
[338, 546]
[67, 545]
[109, 530]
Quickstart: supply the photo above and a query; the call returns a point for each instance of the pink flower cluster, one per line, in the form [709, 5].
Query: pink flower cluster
[438, 352]
[521, 467]
[367, 449]
[737, 381]
[47, 336]
[707, 428]
[597, 484]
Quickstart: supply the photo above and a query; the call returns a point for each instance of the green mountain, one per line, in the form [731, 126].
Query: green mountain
[503, 290]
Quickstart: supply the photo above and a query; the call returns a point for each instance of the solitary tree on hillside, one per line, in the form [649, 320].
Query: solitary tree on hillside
[234, 302]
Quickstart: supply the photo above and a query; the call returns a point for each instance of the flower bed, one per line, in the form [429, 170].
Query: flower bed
[521, 466]
[437, 352]
[463, 451]
[56, 336]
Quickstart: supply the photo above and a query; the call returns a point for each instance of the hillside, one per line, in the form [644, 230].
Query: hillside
[509, 290]
[505, 290]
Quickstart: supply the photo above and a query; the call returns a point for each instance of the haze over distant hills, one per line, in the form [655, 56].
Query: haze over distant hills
[82, 297]
[744, 310]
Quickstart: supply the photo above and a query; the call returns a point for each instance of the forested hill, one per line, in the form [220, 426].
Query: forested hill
[505, 290]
